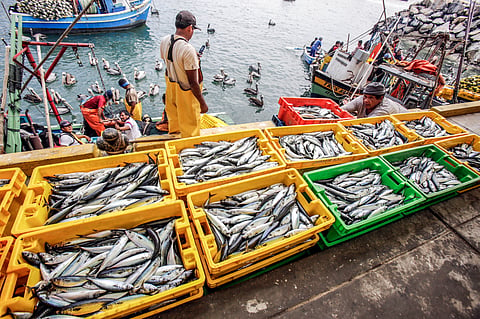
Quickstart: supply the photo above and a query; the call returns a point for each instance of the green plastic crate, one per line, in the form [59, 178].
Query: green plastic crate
[465, 175]
[340, 231]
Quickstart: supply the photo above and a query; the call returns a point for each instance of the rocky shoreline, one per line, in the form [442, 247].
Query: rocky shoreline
[428, 17]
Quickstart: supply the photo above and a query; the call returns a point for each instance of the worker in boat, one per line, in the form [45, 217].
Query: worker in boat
[334, 48]
[113, 142]
[67, 137]
[311, 44]
[92, 111]
[373, 103]
[184, 99]
[128, 126]
[132, 102]
[316, 46]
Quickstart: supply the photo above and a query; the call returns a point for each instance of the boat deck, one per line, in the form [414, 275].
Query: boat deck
[425, 265]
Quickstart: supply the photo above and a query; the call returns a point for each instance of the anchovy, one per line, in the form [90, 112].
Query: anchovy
[379, 135]
[426, 127]
[466, 152]
[315, 112]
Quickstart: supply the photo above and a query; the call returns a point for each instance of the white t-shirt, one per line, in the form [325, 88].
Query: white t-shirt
[184, 58]
[67, 140]
[134, 131]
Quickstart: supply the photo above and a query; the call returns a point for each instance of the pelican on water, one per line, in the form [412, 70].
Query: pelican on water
[139, 75]
[255, 101]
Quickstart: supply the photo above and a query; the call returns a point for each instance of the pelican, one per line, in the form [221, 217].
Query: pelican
[113, 71]
[271, 22]
[207, 43]
[116, 94]
[220, 77]
[154, 89]
[210, 30]
[51, 77]
[106, 64]
[141, 94]
[229, 81]
[250, 78]
[68, 79]
[255, 101]
[96, 87]
[83, 97]
[91, 59]
[55, 96]
[138, 75]
[158, 65]
[255, 68]
[255, 75]
[89, 90]
[32, 97]
[251, 91]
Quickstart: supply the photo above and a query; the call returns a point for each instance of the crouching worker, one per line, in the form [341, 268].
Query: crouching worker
[129, 126]
[113, 142]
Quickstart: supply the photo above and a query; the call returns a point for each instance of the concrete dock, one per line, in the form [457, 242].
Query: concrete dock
[426, 265]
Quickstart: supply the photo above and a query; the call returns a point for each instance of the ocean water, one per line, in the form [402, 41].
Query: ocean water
[242, 37]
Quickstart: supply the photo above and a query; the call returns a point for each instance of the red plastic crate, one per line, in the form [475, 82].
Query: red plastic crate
[288, 114]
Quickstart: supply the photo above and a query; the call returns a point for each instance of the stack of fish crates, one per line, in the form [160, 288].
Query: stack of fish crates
[35, 211]
[433, 122]
[344, 229]
[340, 135]
[12, 196]
[290, 116]
[465, 176]
[221, 269]
[21, 274]
[413, 138]
[175, 147]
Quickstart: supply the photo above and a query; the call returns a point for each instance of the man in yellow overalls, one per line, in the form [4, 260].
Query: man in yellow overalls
[132, 104]
[184, 99]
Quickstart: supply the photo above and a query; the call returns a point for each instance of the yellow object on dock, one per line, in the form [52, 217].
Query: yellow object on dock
[210, 121]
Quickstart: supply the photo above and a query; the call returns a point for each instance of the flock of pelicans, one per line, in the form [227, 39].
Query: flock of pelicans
[154, 89]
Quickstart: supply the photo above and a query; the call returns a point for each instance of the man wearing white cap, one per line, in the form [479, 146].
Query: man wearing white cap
[184, 99]
[373, 103]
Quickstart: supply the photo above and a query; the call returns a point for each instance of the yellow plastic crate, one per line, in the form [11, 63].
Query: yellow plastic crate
[213, 281]
[450, 128]
[174, 147]
[6, 243]
[305, 196]
[210, 121]
[20, 273]
[413, 138]
[34, 212]
[349, 143]
[448, 143]
[12, 196]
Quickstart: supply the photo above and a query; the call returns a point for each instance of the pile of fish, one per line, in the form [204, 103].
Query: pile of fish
[426, 127]
[312, 112]
[103, 270]
[466, 153]
[360, 195]
[427, 174]
[4, 182]
[86, 194]
[247, 220]
[45, 9]
[379, 135]
[310, 146]
[212, 160]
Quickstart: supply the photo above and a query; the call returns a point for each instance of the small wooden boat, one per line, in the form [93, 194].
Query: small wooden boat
[309, 59]
[107, 15]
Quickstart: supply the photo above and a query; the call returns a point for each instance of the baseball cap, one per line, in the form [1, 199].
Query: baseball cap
[123, 83]
[65, 123]
[109, 94]
[185, 18]
[374, 88]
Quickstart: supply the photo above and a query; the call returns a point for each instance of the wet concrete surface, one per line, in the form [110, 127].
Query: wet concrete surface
[425, 265]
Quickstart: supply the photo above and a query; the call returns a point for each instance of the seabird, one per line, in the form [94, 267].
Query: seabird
[251, 91]
[255, 101]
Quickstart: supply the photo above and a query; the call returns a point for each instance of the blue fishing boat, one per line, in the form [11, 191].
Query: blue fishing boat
[309, 59]
[103, 15]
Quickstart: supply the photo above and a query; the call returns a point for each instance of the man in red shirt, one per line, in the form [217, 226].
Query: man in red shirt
[92, 111]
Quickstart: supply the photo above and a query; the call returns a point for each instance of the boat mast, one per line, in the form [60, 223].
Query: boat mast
[465, 41]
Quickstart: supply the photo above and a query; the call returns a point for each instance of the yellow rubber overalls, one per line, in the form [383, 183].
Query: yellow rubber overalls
[182, 107]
